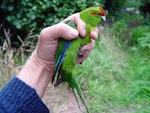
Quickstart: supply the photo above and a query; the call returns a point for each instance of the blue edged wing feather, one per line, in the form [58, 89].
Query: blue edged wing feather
[60, 61]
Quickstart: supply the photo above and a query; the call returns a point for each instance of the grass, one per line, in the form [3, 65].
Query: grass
[114, 79]
[11, 59]
[7, 63]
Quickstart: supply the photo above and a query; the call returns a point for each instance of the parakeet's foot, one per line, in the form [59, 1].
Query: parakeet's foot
[83, 51]
[82, 55]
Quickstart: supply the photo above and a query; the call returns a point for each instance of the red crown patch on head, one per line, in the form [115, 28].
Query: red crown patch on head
[103, 13]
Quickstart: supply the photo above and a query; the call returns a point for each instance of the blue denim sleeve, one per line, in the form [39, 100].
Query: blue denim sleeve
[18, 97]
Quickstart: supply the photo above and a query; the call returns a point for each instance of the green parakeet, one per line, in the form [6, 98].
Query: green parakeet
[68, 51]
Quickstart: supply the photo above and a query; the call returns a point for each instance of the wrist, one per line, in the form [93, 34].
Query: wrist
[47, 65]
[36, 73]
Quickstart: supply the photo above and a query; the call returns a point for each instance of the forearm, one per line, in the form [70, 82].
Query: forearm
[36, 74]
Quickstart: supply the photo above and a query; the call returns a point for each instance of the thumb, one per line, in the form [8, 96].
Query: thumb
[60, 30]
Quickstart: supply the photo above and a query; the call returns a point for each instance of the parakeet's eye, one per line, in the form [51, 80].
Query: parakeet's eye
[96, 13]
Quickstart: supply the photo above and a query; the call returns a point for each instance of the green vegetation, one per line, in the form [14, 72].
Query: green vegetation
[116, 79]
[116, 76]
[138, 34]
[28, 14]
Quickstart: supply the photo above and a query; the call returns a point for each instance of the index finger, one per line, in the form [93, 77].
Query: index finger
[81, 26]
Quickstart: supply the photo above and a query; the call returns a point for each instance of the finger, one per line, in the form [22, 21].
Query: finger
[60, 30]
[80, 24]
[94, 34]
[66, 32]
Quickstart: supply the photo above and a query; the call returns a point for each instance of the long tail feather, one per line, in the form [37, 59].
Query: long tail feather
[76, 97]
[79, 92]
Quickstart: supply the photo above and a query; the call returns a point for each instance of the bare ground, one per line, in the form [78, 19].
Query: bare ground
[61, 100]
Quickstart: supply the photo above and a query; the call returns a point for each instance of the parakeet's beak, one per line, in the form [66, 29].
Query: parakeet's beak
[104, 18]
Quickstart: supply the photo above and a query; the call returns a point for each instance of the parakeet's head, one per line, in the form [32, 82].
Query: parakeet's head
[93, 16]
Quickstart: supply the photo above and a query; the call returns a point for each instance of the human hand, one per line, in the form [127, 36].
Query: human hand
[39, 67]
[48, 41]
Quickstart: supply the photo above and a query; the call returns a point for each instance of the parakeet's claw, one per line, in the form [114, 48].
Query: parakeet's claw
[82, 55]
[83, 52]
